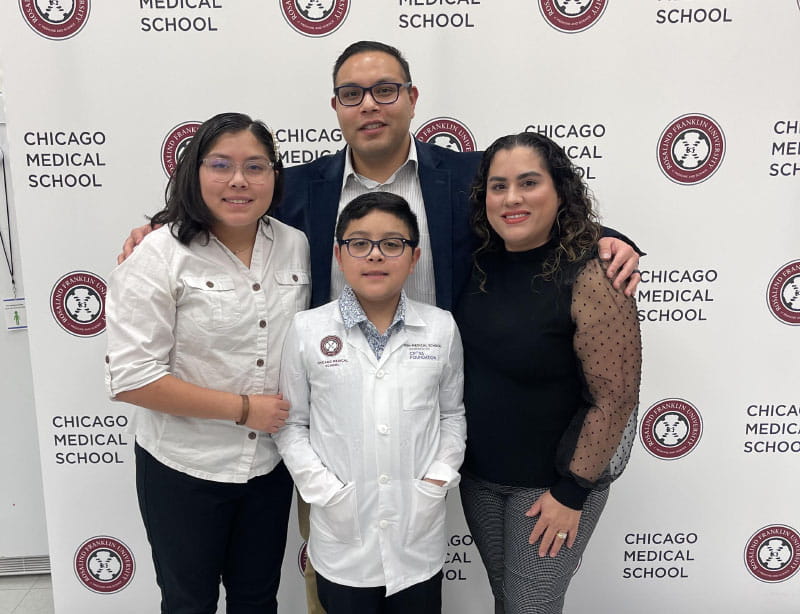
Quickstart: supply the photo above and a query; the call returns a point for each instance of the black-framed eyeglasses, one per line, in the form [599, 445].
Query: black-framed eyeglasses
[384, 92]
[390, 248]
[222, 169]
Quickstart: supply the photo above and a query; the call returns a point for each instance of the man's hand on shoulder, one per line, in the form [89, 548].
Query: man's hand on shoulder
[623, 264]
[136, 236]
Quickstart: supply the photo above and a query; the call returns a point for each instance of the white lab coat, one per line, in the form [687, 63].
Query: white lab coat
[362, 433]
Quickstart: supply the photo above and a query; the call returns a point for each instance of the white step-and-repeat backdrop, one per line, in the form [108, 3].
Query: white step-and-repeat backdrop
[685, 118]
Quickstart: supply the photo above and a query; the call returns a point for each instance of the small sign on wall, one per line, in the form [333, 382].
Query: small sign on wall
[16, 318]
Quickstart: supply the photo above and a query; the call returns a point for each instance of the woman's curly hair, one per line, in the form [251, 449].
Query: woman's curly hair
[575, 231]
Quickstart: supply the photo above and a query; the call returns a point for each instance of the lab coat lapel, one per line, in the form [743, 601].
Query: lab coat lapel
[358, 342]
[398, 340]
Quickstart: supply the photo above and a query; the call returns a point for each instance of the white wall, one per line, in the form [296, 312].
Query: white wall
[22, 524]
[630, 75]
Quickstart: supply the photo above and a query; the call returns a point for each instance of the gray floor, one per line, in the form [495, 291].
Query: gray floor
[26, 595]
[34, 595]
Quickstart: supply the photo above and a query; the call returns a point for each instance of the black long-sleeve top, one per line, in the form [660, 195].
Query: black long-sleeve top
[552, 373]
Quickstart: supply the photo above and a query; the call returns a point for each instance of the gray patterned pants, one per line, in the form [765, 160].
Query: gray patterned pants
[521, 581]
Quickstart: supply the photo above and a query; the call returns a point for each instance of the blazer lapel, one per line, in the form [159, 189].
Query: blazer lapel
[436, 193]
[321, 210]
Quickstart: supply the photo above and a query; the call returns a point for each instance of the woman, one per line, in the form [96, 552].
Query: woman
[196, 320]
[552, 368]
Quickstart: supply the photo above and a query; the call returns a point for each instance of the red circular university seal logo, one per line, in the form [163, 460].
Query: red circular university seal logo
[104, 564]
[448, 133]
[671, 429]
[330, 345]
[174, 143]
[691, 149]
[772, 554]
[55, 19]
[302, 558]
[315, 17]
[572, 15]
[78, 303]
[783, 294]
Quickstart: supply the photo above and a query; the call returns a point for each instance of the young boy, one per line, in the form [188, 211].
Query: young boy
[376, 429]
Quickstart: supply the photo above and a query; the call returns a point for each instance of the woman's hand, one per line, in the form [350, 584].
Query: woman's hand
[554, 519]
[268, 412]
[623, 263]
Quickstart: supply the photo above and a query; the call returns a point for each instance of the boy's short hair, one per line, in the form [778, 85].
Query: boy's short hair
[387, 202]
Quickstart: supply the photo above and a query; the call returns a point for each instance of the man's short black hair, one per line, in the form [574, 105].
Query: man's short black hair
[366, 46]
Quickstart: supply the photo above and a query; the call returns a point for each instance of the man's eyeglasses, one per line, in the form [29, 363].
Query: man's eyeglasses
[390, 248]
[382, 93]
[221, 169]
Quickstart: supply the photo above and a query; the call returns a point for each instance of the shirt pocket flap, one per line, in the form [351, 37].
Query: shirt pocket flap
[218, 284]
[292, 278]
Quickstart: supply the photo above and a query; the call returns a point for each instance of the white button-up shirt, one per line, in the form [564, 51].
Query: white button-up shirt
[362, 434]
[420, 286]
[198, 313]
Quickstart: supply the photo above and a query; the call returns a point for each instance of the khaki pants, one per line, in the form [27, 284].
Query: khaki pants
[314, 606]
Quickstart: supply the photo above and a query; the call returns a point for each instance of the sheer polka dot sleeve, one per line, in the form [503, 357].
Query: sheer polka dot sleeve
[608, 344]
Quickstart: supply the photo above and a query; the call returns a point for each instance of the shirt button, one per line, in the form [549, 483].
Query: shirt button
[251, 435]
[295, 278]
[379, 374]
[260, 362]
[107, 359]
[383, 429]
[256, 287]
[383, 524]
[210, 284]
[384, 479]
[262, 323]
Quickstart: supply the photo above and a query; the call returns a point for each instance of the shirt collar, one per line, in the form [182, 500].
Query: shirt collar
[353, 313]
[349, 171]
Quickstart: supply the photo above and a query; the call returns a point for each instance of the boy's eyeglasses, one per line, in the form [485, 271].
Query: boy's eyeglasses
[390, 248]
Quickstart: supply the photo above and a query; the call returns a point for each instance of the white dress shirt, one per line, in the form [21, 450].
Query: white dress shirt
[198, 313]
[362, 434]
[420, 286]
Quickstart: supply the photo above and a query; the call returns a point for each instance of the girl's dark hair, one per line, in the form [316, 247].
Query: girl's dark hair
[575, 230]
[185, 210]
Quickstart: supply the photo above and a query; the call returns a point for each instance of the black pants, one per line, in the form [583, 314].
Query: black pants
[202, 531]
[422, 598]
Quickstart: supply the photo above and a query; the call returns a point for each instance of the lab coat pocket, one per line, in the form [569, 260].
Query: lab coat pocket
[211, 302]
[422, 393]
[338, 520]
[427, 512]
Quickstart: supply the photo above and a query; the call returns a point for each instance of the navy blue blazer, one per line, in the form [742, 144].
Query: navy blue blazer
[311, 203]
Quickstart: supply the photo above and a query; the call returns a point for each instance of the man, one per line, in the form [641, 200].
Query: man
[374, 100]
[379, 156]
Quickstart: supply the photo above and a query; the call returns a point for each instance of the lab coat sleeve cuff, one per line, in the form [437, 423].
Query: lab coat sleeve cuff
[442, 471]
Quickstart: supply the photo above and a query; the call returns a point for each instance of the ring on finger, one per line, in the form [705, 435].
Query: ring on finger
[562, 535]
